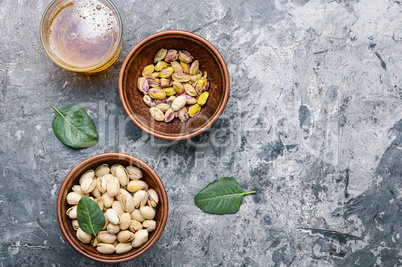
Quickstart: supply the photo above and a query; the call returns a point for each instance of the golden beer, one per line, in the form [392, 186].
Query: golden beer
[82, 35]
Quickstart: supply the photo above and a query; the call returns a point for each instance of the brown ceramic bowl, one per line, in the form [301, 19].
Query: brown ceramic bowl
[150, 177]
[143, 54]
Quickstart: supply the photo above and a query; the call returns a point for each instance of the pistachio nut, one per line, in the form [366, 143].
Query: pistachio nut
[193, 79]
[190, 90]
[160, 55]
[136, 185]
[121, 175]
[183, 114]
[150, 225]
[140, 198]
[155, 82]
[148, 101]
[73, 198]
[102, 170]
[142, 85]
[101, 184]
[198, 89]
[140, 238]
[125, 221]
[135, 225]
[195, 66]
[77, 189]
[157, 114]
[179, 103]
[176, 66]
[166, 73]
[157, 94]
[113, 186]
[153, 198]
[123, 247]
[194, 110]
[159, 101]
[190, 100]
[88, 185]
[107, 200]
[105, 248]
[171, 55]
[125, 236]
[169, 91]
[206, 87]
[155, 75]
[72, 212]
[75, 224]
[118, 207]
[106, 237]
[202, 99]
[134, 173]
[205, 76]
[90, 174]
[147, 212]
[186, 67]
[163, 107]
[178, 87]
[184, 56]
[83, 237]
[160, 66]
[169, 115]
[113, 228]
[127, 203]
[136, 215]
[112, 216]
[170, 100]
[164, 82]
[181, 77]
[148, 70]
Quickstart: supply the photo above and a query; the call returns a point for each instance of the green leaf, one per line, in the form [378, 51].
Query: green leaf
[73, 126]
[222, 196]
[90, 217]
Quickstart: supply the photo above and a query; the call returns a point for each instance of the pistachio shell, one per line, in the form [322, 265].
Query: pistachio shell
[195, 66]
[100, 202]
[186, 67]
[118, 207]
[121, 193]
[83, 237]
[123, 248]
[73, 198]
[127, 203]
[112, 216]
[143, 85]
[113, 186]
[169, 115]
[106, 237]
[140, 198]
[183, 114]
[166, 73]
[136, 185]
[90, 174]
[105, 248]
[160, 55]
[184, 56]
[147, 212]
[171, 55]
[157, 114]
[150, 225]
[147, 71]
[113, 228]
[125, 221]
[72, 212]
[160, 66]
[181, 77]
[134, 173]
[190, 90]
[108, 176]
[136, 225]
[77, 189]
[121, 175]
[107, 200]
[164, 82]
[75, 224]
[153, 198]
[96, 193]
[125, 236]
[148, 101]
[194, 110]
[106, 223]
[141, 237]
[87, 186]
[179, 103]
[136, 215]
[176, 66]
[203, 98]
[94, 241]
[102, 170]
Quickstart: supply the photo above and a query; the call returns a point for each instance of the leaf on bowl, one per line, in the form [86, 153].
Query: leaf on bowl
[90, 217]
[73, 126]
[222, 196]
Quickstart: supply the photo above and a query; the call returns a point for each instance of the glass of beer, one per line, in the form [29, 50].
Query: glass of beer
[82, 35]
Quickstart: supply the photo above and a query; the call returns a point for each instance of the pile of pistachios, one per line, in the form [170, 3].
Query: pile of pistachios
[174, 87]
[127, 204]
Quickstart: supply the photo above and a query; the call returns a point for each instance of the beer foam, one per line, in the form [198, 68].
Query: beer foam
[96, 20]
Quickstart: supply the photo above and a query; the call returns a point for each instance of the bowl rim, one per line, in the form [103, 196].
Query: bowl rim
[133, 159]
[217, 113]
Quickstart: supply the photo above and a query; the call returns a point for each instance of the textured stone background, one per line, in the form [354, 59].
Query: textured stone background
[313, 124]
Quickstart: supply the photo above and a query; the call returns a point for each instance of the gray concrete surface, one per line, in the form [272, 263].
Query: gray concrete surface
[313, 124]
